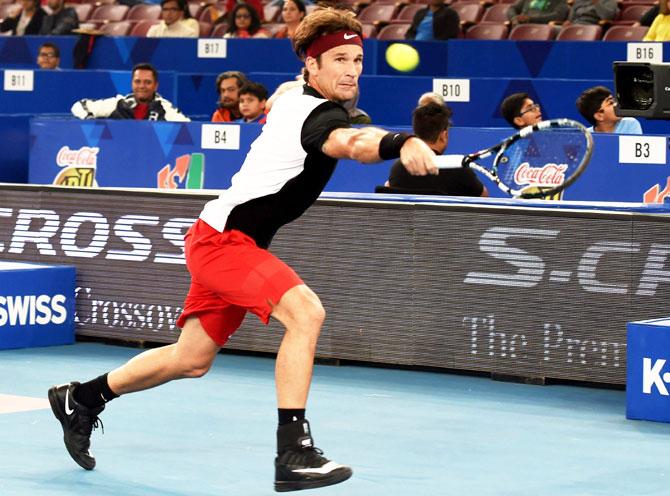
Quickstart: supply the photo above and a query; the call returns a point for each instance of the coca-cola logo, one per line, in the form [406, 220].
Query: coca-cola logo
[84, 156]
[547, 175]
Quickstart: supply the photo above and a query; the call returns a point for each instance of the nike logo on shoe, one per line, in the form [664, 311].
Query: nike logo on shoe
[325, 469]
[68, 411]
[349, 36]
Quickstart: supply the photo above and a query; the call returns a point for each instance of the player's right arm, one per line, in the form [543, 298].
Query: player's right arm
[95, 109]
[370, 144]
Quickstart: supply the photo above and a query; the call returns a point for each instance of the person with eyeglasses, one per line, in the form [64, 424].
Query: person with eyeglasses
[520, 110]
[243, 22]
[176, 21]
[48, 56]
[597, 106]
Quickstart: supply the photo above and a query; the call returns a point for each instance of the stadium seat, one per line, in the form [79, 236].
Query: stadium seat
[116, 28]
[194, 8]
[83, 10]
[393, 32]
[468, 12]
[408, 12]
[109, 13]
[9, 10]
[532, 32]
[205, 29]
[140, 28]
[487, 31]
[496, 13]
[625, 33]
[210, 13]
[219, 30]
[580, 32]
[369, 31]
[378, 13]
[271, 12]
[631, 14]
[144, 12]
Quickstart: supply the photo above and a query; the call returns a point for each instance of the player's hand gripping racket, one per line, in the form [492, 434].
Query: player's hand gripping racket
[537, 162]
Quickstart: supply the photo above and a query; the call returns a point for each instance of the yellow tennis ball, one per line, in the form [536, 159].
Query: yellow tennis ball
[402, 57]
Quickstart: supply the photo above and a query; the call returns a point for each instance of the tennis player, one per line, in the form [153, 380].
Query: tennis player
[232, 271]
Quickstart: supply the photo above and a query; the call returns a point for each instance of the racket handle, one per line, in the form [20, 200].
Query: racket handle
[449, 161]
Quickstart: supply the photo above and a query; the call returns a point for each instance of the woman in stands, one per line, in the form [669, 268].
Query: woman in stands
[177, 21]
[28, 21]
[244, 22]
[660, 28]
[292, 13]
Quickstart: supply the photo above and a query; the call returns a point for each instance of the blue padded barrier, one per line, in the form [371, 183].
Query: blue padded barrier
[139, 154]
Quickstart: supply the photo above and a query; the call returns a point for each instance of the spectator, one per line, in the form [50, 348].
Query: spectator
[48, 56]
[592, 11]
[660, 27]
[431, 96]
[292, 13]
[255, 4]
[27, 21]
[252, 103]
[435, 22]
[430, 123]
[142, 104]
[520, 110]
[243, 22]
[597, 106]
[62, 19]
[228, 86]
[537, 11]
[176, 21]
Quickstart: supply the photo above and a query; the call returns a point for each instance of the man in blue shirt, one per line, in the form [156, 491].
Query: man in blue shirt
[597, 106]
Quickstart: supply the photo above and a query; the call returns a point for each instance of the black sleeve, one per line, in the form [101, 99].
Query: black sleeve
[448, 25]
[320, 123]
[454, 182]
[9, 24]
[649, 16]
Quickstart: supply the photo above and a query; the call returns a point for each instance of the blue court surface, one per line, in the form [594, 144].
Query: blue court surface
[404, 433]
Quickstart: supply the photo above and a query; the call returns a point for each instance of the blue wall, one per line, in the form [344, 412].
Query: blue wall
[131, 154]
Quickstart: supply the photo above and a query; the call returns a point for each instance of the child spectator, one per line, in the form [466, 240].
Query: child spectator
[252, 103]
[597, 106]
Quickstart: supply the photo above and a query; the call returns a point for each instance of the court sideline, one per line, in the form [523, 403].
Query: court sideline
[404, 433]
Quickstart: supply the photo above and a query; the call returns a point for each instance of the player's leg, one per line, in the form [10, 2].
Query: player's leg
[77, 406]
[191, 356]
[299, 464]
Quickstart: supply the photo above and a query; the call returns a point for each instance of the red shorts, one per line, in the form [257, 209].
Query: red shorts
[230, 275]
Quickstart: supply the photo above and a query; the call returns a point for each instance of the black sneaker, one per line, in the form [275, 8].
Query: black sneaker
[299, 465]
[78, 422]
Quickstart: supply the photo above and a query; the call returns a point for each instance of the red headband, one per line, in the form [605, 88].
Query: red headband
[328, 41]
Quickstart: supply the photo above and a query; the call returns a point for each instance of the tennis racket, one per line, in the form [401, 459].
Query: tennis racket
[537, 162]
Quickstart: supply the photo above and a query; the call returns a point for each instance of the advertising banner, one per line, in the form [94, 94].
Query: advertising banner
[501, 287]
[165, 155]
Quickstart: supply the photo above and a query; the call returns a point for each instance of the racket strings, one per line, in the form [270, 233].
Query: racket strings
[546, 158]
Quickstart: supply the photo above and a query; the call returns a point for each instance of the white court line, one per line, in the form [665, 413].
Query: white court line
[11, 404]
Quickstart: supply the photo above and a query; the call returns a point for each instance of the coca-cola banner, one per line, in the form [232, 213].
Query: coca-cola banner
[514, 288]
